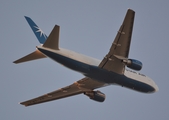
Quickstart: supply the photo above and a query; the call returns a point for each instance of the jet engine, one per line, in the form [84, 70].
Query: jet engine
[96, 95]
[133, 64]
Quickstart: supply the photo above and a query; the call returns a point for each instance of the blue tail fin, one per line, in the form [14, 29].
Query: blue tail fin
[41, 36]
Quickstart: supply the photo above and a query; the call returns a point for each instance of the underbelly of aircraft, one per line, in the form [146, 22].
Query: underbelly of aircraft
[99, 74]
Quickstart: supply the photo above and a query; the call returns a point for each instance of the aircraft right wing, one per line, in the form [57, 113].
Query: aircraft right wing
[81, 86]
[120, 47]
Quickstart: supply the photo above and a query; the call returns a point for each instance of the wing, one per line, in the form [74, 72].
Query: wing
[81, 86]
[120, 47]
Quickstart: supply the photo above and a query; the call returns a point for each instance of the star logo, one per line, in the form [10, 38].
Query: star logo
[40, 31]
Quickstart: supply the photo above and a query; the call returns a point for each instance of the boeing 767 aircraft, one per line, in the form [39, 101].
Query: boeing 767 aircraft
[109, 71]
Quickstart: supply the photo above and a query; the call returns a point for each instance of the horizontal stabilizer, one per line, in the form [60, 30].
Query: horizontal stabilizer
[32, 56]
[53, 39]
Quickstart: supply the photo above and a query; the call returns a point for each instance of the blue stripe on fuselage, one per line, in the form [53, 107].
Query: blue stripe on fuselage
[86, 69]
[67, 62]
[97, 73]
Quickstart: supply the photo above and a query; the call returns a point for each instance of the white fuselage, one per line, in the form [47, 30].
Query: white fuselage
[134, 80]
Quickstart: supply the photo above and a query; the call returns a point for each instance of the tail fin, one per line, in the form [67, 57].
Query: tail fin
[41, 36]
[32, 56]
[51, 42]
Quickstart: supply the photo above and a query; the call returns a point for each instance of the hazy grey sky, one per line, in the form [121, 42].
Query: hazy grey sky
[87, 27]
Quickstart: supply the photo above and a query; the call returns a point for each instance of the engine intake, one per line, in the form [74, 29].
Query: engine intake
[96, 95]
[133, 64]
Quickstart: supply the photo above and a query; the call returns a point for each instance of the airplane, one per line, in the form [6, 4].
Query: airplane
[111, 70]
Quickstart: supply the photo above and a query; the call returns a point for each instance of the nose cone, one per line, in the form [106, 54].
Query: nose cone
[156, 88]
[153, 85]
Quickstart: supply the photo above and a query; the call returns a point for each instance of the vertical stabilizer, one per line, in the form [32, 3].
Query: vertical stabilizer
[41, 36]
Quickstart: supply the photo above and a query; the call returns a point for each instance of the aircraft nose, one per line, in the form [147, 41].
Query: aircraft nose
[156, 88]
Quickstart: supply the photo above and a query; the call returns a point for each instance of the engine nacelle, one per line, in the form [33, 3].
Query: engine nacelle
[133, 64]
[96, 95]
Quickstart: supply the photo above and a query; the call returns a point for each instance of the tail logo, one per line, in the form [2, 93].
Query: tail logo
[40, 31]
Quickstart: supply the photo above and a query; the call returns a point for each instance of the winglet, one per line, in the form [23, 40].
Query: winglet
[41, 36]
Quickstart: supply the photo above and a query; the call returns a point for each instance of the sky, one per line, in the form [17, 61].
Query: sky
[88, 27]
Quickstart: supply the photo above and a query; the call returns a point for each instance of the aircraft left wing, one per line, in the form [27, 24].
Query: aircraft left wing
[120, 47]
[81, 86]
